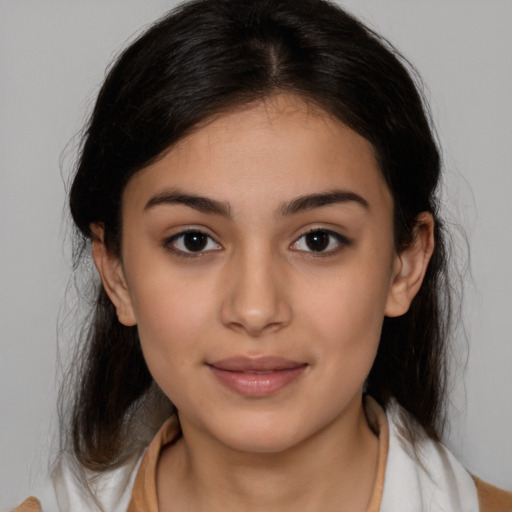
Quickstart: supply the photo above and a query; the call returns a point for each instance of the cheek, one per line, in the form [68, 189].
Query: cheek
[172, 316]
[347, 313]
[171, 298]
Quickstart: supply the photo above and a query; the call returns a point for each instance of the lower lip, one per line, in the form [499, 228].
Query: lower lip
[257, 384]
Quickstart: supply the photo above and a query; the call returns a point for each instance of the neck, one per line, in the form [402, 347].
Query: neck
[333, 469]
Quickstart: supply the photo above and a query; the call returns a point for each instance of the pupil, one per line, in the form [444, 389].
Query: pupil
[195, 241]
[317, 241]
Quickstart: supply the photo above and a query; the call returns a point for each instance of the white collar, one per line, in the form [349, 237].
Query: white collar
[428, 479]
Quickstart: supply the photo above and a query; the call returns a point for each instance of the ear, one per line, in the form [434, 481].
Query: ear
[112, 276]
[410, 266]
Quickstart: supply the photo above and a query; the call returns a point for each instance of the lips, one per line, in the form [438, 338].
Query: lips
[256, 376]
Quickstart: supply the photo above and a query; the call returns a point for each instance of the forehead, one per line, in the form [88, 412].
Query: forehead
[265, 152]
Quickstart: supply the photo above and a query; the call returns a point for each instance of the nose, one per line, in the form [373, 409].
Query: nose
[255, 295]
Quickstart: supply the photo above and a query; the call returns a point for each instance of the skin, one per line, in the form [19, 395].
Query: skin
[258, 289]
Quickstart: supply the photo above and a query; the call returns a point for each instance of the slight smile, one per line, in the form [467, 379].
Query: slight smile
[256, 377]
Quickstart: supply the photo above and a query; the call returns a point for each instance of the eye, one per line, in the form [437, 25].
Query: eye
[190, 242]
[320, 241]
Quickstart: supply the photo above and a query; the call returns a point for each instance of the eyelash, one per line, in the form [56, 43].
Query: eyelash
[170, 244]
[340, 241]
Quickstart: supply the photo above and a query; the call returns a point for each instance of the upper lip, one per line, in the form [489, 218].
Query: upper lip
[256, 364]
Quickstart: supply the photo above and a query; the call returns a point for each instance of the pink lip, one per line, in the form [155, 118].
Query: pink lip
[256, 377]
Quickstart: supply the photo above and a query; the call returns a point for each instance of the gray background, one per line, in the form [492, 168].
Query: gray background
[52, 59]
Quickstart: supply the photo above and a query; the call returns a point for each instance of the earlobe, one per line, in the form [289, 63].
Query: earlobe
[112, 276]
[410, 267]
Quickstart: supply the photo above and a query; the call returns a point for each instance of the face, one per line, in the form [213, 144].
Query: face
[258, 264]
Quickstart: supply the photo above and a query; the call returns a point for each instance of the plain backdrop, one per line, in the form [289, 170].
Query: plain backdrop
[52, 59]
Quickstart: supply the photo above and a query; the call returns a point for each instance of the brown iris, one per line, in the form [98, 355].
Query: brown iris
[317, 241]
[195, 241]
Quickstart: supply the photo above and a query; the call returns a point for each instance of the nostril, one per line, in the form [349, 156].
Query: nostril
[256, 332]
[256, 321]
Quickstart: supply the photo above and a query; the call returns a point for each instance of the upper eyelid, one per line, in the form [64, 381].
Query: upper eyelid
[192, 229]
[184, 231]
[329, 231]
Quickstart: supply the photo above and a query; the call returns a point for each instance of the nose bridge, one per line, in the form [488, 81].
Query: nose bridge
[255, 300]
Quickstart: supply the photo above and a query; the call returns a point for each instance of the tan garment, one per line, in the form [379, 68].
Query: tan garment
[29, 505]
[492, 499]
[144, 496]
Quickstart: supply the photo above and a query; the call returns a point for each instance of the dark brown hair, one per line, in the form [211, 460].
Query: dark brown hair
[210, 56]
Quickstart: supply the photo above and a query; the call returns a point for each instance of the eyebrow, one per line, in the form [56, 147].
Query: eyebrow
[312, 201]
[297, 205]
[200, 203]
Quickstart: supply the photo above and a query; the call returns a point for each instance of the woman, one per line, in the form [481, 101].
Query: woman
[259, 186]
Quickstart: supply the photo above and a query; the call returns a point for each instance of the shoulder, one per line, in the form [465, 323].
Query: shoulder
[45, 501]
[492, 499]
[29, 505]
[425, 475]
[79, 490]
[87, 491]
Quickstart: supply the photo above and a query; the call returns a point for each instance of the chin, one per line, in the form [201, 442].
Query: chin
[263, 444]
[270, 434]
